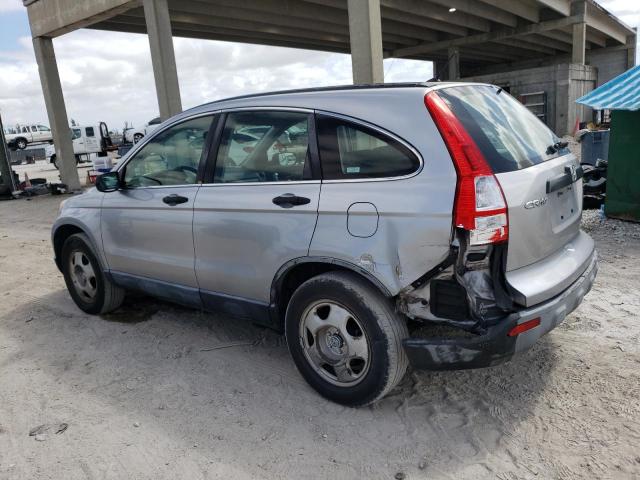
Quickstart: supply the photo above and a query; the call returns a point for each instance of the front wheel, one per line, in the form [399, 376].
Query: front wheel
[346, 338]
[90, 289]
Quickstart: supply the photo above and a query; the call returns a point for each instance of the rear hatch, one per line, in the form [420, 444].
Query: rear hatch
[542, 187]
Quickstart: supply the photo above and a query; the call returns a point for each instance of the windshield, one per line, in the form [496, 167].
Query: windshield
[509, 136]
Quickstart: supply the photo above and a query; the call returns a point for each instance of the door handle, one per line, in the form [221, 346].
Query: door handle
[289, 200]
[569, 176]
[174, 199]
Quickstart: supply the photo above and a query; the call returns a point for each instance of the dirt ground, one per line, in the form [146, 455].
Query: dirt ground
[158, 391]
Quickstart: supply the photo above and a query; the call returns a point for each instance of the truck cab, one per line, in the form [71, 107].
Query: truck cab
[87, 140]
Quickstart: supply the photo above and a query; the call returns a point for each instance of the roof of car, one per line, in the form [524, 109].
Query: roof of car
[319, 97]
[330, 89]
[333, 88]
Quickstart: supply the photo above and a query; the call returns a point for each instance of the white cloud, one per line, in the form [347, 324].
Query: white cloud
[108, 75]
[11, 5]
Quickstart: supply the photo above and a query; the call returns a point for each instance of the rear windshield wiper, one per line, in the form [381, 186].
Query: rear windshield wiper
[551, 149]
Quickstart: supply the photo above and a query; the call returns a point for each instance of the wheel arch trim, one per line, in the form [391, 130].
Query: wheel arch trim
[84, 229]
[278, 280]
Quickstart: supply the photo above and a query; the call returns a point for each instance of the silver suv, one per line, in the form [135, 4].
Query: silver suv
[436, 225]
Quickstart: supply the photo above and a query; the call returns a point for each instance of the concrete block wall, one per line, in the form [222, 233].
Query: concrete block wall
[610, 63]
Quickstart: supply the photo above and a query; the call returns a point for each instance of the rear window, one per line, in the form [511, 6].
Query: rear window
[353, 151]
[508, 134]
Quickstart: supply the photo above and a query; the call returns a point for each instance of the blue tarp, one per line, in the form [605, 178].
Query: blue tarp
[621, 93]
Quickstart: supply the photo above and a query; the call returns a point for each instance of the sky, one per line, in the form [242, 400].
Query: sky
[107, 76]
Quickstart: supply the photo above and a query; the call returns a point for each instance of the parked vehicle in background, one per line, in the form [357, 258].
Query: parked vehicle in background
[87, 139]
[358, 221]
[28, 134]
[134, 135]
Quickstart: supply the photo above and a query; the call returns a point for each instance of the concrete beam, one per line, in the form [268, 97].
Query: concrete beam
[521, 9]
[497, 35]
[485, 11]
[419, 21]
[223, 35]
[529, 45]
[606, 25]
[579, 42]
[400, 15]
[200, 13]
[52, 18]
[597, 38]
[544, 41]
[365, 31]
[560, 6]
[440, 13]
[163, 57]
[56, 111]
[605, 22]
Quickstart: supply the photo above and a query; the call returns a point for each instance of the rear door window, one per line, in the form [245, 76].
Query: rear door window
[349, 150]
[264, 146]
[509, 136]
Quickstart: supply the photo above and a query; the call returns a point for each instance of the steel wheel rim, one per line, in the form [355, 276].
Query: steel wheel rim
[334, 343]
[83, 275]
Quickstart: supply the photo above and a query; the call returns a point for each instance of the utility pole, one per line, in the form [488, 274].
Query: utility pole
[5, 164]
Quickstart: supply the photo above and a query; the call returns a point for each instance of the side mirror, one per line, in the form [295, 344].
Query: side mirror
[108, 182]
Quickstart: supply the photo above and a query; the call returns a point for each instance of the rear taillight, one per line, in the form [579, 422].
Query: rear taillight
[479, 206]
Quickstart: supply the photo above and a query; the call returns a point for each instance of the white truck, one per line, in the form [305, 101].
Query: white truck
[22, 135]
[134, 135]
[87, 139]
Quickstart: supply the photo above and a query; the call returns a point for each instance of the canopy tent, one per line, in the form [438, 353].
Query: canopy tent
[622, 96]
[620, 93]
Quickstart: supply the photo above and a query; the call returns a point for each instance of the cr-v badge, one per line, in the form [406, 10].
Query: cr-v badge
[538, 202]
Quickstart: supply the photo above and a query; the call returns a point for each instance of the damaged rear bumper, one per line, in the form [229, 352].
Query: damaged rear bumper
[496, 346]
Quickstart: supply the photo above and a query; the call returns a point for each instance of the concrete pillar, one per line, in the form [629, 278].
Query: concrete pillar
[579, 43]
[631, 51]
[156, 14]
[5, 164]
[56, 111]
[453, 55]
[365, 32]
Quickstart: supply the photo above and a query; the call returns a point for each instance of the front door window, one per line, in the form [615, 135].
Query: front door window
[171, 157]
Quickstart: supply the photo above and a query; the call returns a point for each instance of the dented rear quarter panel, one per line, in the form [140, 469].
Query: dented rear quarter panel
[414, 229]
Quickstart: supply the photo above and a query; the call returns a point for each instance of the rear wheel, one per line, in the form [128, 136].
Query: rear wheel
[21, 143]
[137, 137]
[90, 289]
[346, 338]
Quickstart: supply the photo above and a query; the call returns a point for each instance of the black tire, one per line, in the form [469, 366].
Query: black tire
[21, 143]
[383, 328]
[108, 296]
[137, 137]
[54, 160]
